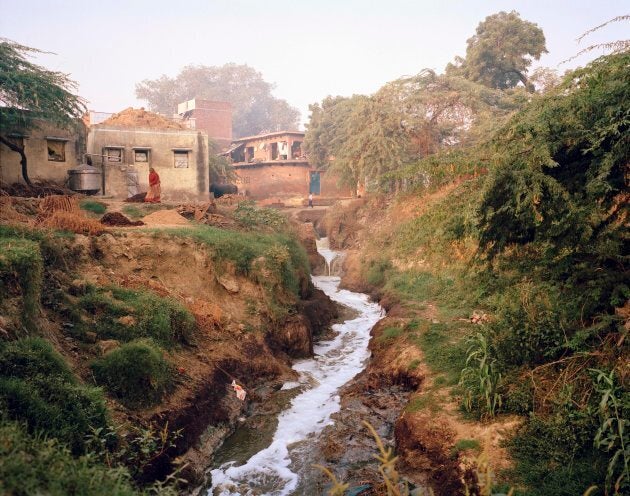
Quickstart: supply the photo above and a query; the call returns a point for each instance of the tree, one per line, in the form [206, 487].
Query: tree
[501, 51]
[30, 93]
[256, 110]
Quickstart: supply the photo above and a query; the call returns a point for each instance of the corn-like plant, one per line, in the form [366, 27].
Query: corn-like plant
[480, 377]
[612, 435]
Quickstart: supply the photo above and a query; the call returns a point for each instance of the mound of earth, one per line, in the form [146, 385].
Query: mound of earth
[118, 219]
[131, 117]
[164, 218]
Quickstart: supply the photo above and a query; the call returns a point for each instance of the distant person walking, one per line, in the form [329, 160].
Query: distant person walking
[310, 200]
[155, 190]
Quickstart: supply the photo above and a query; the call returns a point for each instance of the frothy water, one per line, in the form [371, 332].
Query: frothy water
[271, 470]
[323, 247]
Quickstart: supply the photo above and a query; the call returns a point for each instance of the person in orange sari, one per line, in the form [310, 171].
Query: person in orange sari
[155, 190]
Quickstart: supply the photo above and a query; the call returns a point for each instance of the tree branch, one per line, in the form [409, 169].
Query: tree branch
[12, 146]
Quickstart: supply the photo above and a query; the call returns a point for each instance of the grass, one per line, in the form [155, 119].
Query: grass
[390, 333]
[465, 445]
[444, 350]
[136, 211]
[281, 253]
[93, 206]
[37, 387]
[21, 274]
[128, 314]
[424, 401]
[136, 373]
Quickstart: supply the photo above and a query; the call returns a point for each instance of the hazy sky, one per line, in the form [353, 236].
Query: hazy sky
[309, 49]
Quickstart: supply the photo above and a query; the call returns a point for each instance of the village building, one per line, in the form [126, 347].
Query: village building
[274, 166]
[50, 151]
[213, 118]
[127, 144]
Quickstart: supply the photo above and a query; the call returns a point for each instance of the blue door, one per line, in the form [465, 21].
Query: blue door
[314, 185]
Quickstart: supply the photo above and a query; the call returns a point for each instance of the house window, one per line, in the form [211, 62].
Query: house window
[181, 159]
[141, 155]
[56, 150]
[113, 155]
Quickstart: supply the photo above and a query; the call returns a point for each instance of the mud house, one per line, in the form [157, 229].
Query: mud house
[130, 142]
[50, 151]
[273, 165]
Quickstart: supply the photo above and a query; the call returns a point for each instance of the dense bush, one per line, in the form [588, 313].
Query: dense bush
[38, 388]
[136, 373]
[32, 464]
[150, 316]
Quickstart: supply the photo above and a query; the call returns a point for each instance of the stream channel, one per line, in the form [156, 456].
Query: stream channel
[283, 465]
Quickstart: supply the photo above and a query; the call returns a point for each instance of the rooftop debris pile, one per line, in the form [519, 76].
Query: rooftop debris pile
[131, 117]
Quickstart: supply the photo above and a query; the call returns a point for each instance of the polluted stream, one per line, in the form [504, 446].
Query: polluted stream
[283, 466]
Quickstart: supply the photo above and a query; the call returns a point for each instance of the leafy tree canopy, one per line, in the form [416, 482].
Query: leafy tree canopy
[373, 137]
[255, 109]
[501, 51]
[29, 93]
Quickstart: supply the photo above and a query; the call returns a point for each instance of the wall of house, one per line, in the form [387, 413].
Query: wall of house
[263, 181]
[287, 180]
[40, 168]
[178, 184]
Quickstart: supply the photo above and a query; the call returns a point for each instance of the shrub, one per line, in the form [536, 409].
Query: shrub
[248, 215]
[21, 270]
[136, 373]
[152, 316]
[377, 271]
[37, 387]
[529, 327]
[32, 464]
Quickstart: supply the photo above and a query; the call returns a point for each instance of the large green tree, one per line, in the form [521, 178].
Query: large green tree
[501, 51]
[256, 110]
[29, 94]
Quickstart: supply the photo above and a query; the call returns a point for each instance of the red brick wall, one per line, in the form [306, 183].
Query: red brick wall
[215, 118]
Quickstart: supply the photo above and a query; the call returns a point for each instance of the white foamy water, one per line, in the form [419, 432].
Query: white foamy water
[323, 247]
[268, 472]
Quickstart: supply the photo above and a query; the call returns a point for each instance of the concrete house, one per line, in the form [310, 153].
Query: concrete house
[50, 152]
[273, 165]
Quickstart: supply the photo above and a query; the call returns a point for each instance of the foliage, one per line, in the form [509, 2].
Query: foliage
[369, 138]
[93, 206]
[255, 109]
[481, 378]
[220, 169]
[248, 215]
[136, 373]
[554, 456]
[500, 52]
[21, 272]
[30, 93]
[33, 464]
[127, 314]
[613, 435]
[37, 387]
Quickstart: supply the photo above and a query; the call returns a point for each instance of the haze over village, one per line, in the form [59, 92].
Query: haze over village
[314, 248]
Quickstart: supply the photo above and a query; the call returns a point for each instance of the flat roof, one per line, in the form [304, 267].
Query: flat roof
[269, 135]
